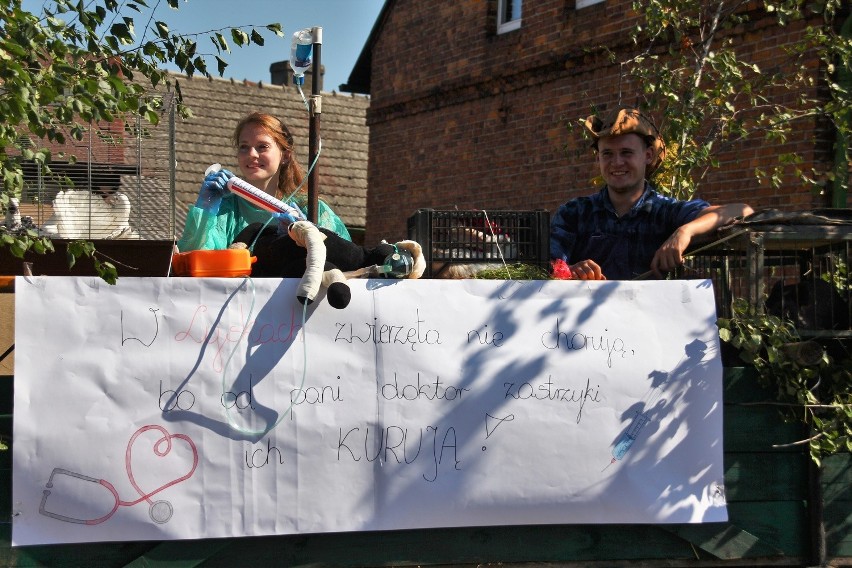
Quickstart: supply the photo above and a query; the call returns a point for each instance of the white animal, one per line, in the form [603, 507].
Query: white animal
[84, 215]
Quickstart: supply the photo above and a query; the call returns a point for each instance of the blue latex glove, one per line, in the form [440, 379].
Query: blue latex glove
[285, 219]
[213, 189]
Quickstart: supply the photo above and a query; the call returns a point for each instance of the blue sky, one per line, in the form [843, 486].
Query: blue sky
[345, 23]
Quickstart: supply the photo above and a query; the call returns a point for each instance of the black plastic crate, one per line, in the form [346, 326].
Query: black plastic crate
[478, 237]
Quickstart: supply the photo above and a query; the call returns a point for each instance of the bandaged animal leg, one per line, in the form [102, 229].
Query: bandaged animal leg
[307, 235]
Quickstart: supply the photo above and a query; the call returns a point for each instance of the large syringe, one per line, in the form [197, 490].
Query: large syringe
[257, 196]
[628, 437]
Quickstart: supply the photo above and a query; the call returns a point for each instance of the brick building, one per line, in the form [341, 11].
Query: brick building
[470, 107]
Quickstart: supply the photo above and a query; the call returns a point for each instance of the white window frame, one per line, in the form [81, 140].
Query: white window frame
[585, 3]
[504, 26]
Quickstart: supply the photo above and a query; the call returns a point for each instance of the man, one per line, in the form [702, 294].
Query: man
[628, 229]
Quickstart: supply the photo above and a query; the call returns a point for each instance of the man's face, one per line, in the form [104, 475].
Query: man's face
[623, 160]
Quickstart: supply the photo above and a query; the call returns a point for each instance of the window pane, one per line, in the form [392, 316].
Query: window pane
[508, 15]
[511, 10]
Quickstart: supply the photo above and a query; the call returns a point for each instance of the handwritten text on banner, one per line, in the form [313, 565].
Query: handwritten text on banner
[174, 408]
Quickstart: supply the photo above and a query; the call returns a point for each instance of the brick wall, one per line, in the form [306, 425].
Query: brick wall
[461, 117]
[105, 141]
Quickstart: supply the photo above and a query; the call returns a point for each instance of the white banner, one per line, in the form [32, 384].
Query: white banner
[178, 408]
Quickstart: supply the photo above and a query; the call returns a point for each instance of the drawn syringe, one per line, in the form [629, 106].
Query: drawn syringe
[626, 441]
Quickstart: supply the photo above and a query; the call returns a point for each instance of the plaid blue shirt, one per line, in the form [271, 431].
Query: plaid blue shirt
[588, 228]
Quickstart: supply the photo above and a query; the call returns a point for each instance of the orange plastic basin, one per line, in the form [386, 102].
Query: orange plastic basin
[213, 263]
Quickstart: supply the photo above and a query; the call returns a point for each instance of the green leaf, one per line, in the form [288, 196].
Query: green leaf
[122, 33]
[239, 37]
[162, 30]
[107, 271]
[220, 42]
[221, 65]
[18, 249]
[199, 64]
[70, 258]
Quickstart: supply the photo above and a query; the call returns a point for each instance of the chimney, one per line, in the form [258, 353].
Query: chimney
[282, 74]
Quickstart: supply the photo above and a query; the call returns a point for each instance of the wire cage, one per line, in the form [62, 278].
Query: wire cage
[791, 265]
[456, 244]
[113, 183]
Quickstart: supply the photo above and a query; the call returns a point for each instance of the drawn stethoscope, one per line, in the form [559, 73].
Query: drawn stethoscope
[160, 511]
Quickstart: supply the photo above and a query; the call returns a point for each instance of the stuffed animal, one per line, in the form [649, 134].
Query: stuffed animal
[321, 258]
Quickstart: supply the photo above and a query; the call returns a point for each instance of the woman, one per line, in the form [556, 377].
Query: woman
[265, 158]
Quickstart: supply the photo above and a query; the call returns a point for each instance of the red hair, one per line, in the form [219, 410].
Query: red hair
[290, 176]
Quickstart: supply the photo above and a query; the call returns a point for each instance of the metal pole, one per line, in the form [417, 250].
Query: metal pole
[314, 132]
[172, 165]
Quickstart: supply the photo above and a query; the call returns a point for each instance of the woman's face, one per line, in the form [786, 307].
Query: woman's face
[260, 158]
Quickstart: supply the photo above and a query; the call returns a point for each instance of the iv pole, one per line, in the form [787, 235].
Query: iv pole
[314, 144]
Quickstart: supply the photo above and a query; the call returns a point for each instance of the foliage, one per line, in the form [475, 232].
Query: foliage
[77, 65]
[516, 271]
[22, 239]
[709, 94]
[811, 387]
[106, 270]
[839, 276]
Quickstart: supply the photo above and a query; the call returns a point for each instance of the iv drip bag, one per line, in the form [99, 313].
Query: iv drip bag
[301, 51]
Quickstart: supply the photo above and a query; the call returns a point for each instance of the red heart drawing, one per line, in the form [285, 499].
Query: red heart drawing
[161, 448]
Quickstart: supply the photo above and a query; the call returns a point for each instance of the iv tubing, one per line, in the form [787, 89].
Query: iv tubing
[289, 408]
